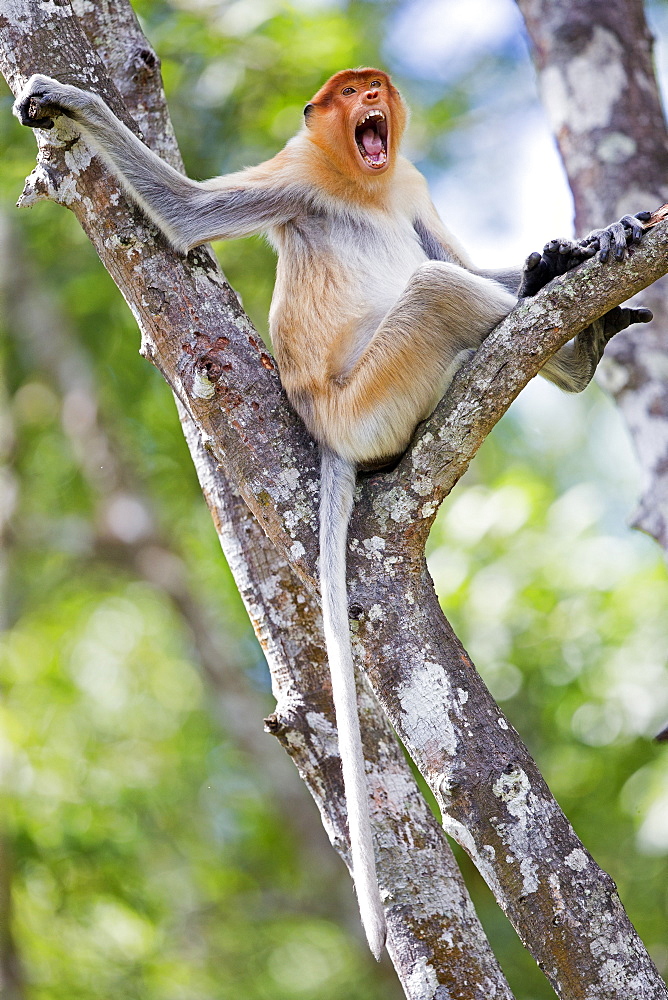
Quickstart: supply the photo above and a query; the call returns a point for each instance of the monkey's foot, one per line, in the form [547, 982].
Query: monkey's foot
[558, 257]
[621, 317]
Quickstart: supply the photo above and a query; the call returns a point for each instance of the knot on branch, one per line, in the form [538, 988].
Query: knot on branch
[275, 725]
[142, 64]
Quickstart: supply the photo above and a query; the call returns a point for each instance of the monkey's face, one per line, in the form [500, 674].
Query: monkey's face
[358, 118]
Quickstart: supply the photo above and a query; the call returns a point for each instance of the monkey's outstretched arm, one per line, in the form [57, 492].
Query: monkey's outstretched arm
[186, 211]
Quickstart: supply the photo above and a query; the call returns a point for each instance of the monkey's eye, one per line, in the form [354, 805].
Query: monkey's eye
[348, 90]
[376, 84]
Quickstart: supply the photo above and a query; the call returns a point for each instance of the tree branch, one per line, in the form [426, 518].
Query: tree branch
[515, 352]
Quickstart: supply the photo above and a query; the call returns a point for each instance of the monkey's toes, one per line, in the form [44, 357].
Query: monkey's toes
[641, 315]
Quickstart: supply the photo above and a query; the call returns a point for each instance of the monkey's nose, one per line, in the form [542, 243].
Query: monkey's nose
[372, 95]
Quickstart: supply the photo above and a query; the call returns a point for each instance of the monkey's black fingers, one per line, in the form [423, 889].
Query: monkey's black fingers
[569, 254]
[597, 240]
[604, 241]
[558, 257]
[579, 253]
[43, 99]
[644, 216]
[618, 236]
[582, 250]
[572, 255]
[535, 275]
[592, 245]
[552, 247]
[557, 254]
[22, 110]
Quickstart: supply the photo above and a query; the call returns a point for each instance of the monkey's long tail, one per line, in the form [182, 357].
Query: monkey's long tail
[337, 486]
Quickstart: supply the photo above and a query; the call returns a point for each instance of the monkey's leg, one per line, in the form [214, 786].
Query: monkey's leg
[368, 412]
[573, 366]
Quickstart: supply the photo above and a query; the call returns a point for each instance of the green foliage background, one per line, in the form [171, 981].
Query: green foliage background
[147, 852]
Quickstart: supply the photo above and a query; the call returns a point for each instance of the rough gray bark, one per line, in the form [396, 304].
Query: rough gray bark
[493, 799]
[615, 151]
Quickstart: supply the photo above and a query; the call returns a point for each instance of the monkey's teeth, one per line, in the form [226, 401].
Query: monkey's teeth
[375, 113]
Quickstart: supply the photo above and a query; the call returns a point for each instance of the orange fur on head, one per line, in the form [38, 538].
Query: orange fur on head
[357, 118]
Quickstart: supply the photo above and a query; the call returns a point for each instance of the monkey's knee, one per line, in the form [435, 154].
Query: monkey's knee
[433, 276]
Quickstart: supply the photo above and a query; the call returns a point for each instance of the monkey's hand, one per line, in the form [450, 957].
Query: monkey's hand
[560, 256]
[44, 99]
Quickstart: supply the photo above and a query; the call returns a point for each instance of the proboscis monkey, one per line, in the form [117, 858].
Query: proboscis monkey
[375, 307]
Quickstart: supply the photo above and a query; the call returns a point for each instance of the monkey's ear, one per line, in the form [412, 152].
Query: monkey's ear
[308, 111]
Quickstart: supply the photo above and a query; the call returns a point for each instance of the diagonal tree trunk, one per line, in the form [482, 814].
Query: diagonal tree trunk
[493, 799]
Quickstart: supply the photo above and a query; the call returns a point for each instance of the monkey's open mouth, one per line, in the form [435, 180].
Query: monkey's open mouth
[371, 138]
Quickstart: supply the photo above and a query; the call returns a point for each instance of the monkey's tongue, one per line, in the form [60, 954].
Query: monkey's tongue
[372, 142]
